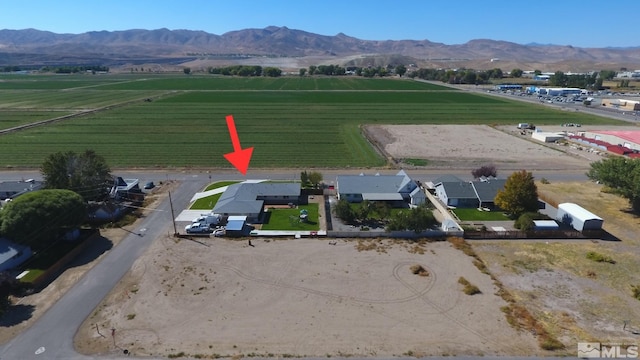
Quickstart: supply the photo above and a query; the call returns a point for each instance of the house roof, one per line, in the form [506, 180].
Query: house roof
[458, 190]
[487, 190]
[447, 178]
[381, 197]
[8, 250]
[243, 198]
[14, 188]
[372, 184]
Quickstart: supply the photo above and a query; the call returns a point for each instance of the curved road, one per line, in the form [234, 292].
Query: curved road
[51, 336]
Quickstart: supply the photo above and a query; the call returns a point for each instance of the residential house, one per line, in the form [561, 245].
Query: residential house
[398, 190]
[13, 189]
[249, 199]
[455, 192]
[12, 255]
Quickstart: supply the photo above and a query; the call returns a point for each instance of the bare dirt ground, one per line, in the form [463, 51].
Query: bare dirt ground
[469, 146]
[302, 297]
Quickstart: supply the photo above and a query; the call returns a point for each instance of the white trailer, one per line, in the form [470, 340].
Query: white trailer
[578, 217]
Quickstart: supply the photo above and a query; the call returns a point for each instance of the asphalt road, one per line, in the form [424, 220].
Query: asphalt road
[51, 336]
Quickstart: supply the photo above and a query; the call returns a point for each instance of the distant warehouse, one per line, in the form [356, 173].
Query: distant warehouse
[578, 217]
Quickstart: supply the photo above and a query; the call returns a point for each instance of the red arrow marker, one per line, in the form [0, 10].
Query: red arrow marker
[239, 158]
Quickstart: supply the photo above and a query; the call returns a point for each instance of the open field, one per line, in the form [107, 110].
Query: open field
[302, 297]
[577, 298]
[291, 122]
[470, 146]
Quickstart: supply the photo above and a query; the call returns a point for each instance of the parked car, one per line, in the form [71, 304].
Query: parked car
[198, 228]
[149, 185]
[218, 232]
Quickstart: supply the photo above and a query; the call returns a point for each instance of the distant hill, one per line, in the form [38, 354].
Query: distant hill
[30, 46]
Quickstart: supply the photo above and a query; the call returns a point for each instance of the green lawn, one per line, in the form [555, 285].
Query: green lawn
[205, 203]
[219, 184]
[288, 219]
[476, 215]
[297, 122]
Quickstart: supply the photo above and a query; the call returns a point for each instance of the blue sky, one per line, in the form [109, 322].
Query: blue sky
[585, 23]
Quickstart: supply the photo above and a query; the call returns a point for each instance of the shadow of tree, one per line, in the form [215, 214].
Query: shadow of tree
[16, 314]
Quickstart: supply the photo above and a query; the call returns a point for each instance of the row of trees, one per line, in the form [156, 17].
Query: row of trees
[460, 76]
[418, 219]
[593, 81]
[337, 70]
[245, 70]
[75, 69]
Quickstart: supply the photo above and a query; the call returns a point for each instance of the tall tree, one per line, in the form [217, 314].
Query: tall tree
[622, 175]
[40, 216]
[87, 174]
[400, 70]
[344, 211]
[315, 178]
[516, 73]
[418, 220]
[519, 195]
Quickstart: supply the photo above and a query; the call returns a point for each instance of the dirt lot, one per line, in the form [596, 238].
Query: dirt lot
[302, 297]
[469, 146]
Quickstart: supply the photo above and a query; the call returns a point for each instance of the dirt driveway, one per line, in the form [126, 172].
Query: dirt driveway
[302, 297]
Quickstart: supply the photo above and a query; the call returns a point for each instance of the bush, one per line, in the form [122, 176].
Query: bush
[597, 257]
[469, 288]
[419, 270]
[635, 289]
[525, 221]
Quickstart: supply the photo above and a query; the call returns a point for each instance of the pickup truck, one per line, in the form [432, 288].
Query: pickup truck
[198, 228]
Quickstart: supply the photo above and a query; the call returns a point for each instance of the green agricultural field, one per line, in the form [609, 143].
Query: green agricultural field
[290, 121]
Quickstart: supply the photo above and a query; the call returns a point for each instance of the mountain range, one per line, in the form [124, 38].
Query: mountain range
[35, 47]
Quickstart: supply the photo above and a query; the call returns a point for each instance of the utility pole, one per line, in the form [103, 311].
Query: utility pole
[173, 218]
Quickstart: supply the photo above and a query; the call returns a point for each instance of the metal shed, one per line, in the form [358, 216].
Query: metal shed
[578, 217]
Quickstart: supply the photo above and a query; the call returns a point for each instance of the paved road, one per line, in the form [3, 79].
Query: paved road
[54, 331]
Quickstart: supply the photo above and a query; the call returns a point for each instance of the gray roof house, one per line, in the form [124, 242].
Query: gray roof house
[12, 255]
[12, 189]
[453, 191]
[487, 189]
[392, 188]
[248, 199]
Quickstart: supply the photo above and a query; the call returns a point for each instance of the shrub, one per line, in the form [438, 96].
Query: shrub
[419, 270]
[525, 221]
[592, 255]
[469, 288]
[635, 289]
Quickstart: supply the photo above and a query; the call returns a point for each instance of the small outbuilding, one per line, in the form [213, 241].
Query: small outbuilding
[545, 225]
[578, 217]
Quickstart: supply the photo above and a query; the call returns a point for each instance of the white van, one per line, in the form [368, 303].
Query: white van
[523, 125]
